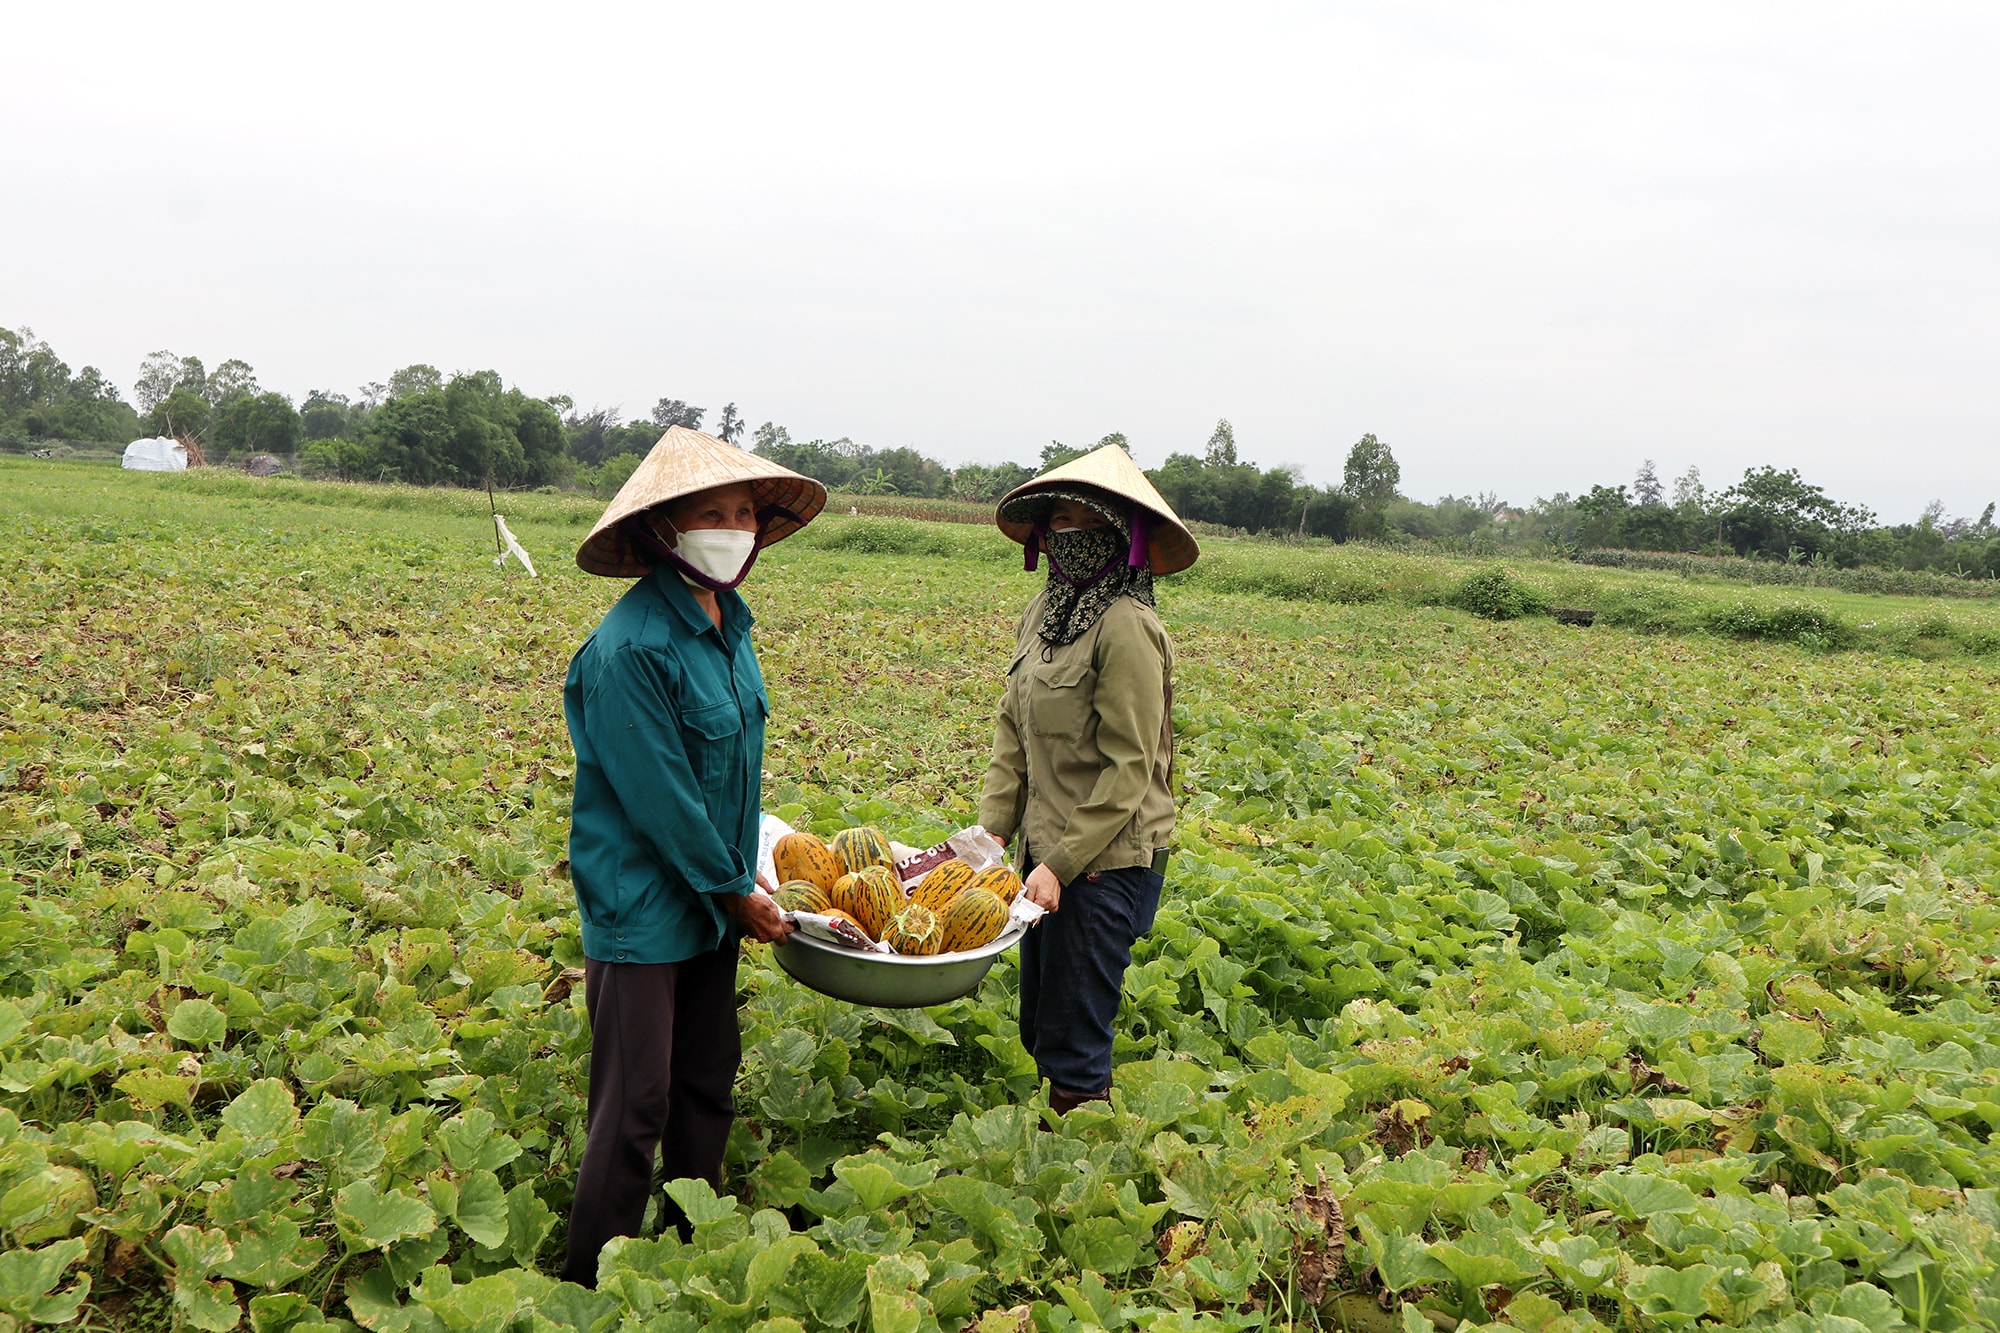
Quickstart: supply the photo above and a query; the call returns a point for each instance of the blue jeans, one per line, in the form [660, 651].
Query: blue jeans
[1073, 972]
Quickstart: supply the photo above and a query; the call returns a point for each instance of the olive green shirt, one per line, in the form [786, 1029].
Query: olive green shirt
[1083, 749]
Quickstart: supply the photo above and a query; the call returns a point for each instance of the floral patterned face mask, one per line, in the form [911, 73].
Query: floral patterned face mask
[1082, 556]
[1086, 573]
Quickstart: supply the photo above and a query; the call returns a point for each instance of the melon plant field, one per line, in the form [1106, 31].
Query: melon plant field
[1508, 975]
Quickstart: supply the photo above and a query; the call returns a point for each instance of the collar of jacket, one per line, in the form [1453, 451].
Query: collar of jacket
[673, 590]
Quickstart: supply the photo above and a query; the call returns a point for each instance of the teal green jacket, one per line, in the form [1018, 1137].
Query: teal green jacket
[667, 717]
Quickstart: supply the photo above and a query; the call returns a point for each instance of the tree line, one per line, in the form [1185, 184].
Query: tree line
[472, 429]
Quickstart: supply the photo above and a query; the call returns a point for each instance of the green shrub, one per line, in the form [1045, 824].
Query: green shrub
[884, 536]
[615, 472]
[1804, 623]
[340, 459]
[868, 535]
[1348, 575]
[1933, 623]
[1738, 569]
[1809, 625]
[1563, 586]
[1923, 633]
[1301, 581]
[1497, 595]
[320, 458]
[1650, 610]
[1738, 620]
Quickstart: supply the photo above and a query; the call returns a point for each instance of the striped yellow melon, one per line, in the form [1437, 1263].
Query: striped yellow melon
[999, 881]
[877, 895]
[848, 917]
[855, 848]
[937, 889]
[842, 896]
[802, 856]
[802, 895]
[975, 917]
[914, 930]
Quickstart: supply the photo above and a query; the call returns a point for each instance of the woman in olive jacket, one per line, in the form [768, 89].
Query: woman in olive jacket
[1083, 752]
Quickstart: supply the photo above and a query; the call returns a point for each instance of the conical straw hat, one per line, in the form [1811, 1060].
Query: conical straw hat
[1170, 546]
[683, 462]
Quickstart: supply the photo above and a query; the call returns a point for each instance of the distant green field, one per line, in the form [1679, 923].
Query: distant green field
[1650, 601]
[1605, 978]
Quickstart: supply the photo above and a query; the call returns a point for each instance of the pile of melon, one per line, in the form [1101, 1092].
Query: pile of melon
[853, 879]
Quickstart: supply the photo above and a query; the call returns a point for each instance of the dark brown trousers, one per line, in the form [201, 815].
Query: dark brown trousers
[664, 1049]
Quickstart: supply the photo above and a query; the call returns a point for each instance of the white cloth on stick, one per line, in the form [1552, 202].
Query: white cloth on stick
[513, 548]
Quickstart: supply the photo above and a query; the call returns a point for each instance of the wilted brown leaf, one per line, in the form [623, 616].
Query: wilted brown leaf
[1321, 1243]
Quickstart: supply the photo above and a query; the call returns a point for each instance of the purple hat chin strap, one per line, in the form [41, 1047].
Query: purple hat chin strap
[1140, 553]
[694, 575]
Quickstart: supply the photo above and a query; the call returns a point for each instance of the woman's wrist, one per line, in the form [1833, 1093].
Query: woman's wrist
[1043, 888]
[1059, 865]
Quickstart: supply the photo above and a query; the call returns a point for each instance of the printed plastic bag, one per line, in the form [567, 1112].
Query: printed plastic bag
[835, 931]
[974, 846]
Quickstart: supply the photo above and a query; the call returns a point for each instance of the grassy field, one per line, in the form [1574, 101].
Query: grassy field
[1601, 977]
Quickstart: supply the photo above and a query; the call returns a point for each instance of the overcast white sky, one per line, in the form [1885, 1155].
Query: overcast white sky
[1526, 245]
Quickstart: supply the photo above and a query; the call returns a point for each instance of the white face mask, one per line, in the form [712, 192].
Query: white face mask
[719, 553]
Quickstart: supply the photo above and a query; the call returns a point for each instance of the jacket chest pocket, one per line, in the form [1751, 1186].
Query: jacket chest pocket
[1061, 698]
[713, 736]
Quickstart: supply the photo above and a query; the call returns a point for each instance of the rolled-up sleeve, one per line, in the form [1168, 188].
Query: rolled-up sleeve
[635, 732]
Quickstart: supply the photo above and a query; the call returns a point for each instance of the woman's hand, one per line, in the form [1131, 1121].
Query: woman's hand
[760, 916]
[1043, 888]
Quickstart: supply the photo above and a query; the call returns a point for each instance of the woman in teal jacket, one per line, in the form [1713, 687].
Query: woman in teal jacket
[666, 709]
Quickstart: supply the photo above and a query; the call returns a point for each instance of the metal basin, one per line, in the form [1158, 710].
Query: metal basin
[889, 981]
